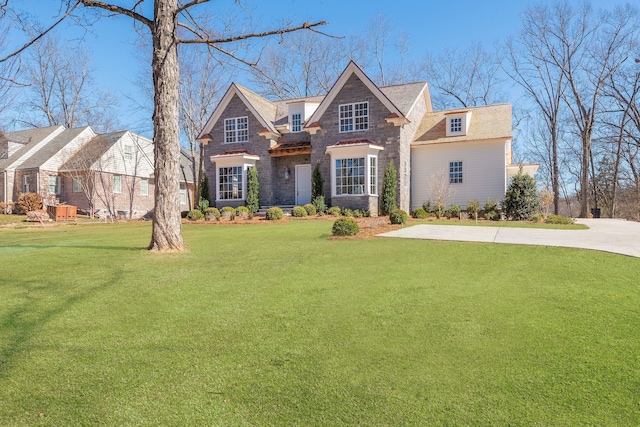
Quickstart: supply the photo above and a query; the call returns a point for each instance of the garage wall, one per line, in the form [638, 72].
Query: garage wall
[483, 168]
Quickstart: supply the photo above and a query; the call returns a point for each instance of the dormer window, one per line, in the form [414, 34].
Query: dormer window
[354, 117]
[458, 123]
[296, 122]
[236, 130]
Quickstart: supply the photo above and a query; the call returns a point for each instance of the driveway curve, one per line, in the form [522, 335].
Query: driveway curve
[608, 235]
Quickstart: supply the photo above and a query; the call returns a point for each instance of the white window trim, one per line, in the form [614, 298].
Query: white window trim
[146, 187]
[77, 185]
[56, 185]
[235, 131]
[26, 183]
[462, 162]
[119, 191]
[353, 117]
[298, 124]
[366, 151]
[128, 152]
[242, 160]
[465, 120]
[183, 193]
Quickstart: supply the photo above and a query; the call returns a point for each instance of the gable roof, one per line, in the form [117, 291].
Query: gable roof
[263, 109]
[353, 68]
[52, 147]
[94, 149]
[487, 122]
[30, 138]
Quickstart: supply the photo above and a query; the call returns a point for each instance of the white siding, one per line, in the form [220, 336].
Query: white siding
[484, 171]
[66, 152]
[141, 163]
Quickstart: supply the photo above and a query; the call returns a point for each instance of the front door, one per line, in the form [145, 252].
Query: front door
[303, 184]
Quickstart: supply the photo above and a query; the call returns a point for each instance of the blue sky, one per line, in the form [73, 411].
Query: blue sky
[430, 26]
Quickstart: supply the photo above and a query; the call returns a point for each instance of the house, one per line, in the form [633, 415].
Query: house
[111, 174]
[352, 133]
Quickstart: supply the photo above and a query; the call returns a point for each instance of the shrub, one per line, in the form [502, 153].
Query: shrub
[439, 210]
[242, 211]
[521, 200]
[203, 204]
[317, 184]
[455, 210]
[319, 204]
[347, 212]
[298, 211]
[204, 188]
[6, 208]
[491, 210]
[253, 190]
[537, 218]
[419, 213]
[473, 207]
[558, 219]
[311, 210]
[211, 213]
[345, 227]
[357, 213]
[29, 202]
[427, 207]
[334, 211]
[398, 216]
[195, 215]
[389, 182]
[228, 212]
[274, 213]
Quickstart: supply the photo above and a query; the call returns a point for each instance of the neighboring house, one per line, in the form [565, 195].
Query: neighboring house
[353, 132]
[109, 173]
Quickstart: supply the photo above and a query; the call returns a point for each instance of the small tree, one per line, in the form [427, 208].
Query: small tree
[253, 190]
[521, 200]
[389, 182]
[317, 183]
[204, 188]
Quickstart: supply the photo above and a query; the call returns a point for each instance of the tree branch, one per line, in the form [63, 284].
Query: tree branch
[42, 34]
[191, 3]
[118, 9]
[304, 26]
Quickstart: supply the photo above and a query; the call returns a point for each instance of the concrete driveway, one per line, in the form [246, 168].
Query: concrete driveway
[608, 235]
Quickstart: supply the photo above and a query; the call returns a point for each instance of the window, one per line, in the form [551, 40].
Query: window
[350, 178]
[296, 122]
[236, 130]
[354, 117]
[77, 185]
[455, 172]
[183, 193]
[230, 182]
[456, 125]
[373, 175]
[144, 187]
[117, 184]
[53, 185]
[128, 152]
[26, 183]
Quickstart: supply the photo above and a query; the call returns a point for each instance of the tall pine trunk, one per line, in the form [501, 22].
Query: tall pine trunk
[166, 234]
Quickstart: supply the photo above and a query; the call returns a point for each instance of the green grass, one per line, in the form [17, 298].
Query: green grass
[274, 324]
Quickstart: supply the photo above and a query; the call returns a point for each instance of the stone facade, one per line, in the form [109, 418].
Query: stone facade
[276, 171]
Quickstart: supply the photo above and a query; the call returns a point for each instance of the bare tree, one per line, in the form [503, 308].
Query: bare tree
[61, 89]
[525, 62]
[203, 80]
[462, 78]
[589, 48]
[174, 22]
[305, 64]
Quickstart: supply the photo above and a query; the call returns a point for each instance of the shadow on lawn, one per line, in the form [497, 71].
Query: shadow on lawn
[101, 247]
[27, 320]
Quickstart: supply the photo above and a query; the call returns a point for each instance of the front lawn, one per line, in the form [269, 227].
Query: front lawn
[275, 324]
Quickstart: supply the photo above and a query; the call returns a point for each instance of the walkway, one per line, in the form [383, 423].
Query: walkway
[608, 235]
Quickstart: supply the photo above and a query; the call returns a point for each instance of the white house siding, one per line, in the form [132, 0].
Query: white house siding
[66, 152]
[483, 168]
[141, 163]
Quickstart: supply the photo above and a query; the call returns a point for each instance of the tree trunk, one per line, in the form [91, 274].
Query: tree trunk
[584, 176]
[167, 228]
[555, 174]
